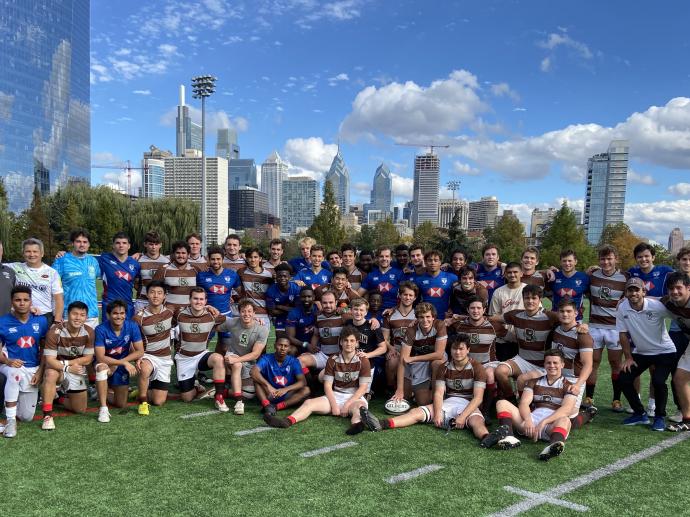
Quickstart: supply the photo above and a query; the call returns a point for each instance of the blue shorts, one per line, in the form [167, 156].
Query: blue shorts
[278, 399]
[120, 377]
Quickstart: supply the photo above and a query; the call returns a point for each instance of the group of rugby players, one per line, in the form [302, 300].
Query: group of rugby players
[460, 340]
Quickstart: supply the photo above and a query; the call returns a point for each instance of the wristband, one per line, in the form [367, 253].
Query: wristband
[305, 344]
[66, 366]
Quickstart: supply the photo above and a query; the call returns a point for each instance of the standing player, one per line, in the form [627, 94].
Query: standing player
[508, 298]
[334, 259]
[179, 276]
[402, 256]
[654, 277]
[366, 261]
[280, 299]
[354, 275]
[255, 282]
[489, 273]
[466, 289]
[529, 262]
[416, 265]
[458, 260]
[569, 282]
[196, 258]
[394, 329]
[304, 260]
[301, 321]
[346, 380]
[218, 282]
[275, 255]
[678, 302]
[79, 271]
[149, 262]
[155, 323]
[235, 261]
[21, 336]
[315, 275]
[435, 286]
[339, 287]
[383, 279]
[69, 349]
[7, 282]
[119, 272]
[118, 345]
[278, 379]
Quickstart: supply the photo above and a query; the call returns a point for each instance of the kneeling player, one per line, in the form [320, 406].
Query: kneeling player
[278, 379]
[346, 380]
[462, 380]
[69, 350]
[544, 413]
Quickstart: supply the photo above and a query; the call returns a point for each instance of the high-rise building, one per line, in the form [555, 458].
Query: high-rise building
[374, 216]
[358, 210]
[242, 173]
[339, 176]
[541, 221]
[482, 214]
[183, 180]
[301, 203]
[45, 124]
[188, 133]
[407, 211]
[382, 191]
[427, 170]
[607, 175]
[248, 208]
[226, 144]
[675, 241]
[446, 212]
[153, 172]
[273, 172]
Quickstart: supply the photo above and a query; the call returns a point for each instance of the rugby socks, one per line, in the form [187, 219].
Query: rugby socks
[11, 412]
[265, 403]
[220, 388]
[305, 370]
[589, 388]
[505, 418]
[237, 396]
[47, 410]
[387, 423]
[280, 406]
[582, 418]
[617, 390]
[292, 420]
[558, 435]
[142, 398]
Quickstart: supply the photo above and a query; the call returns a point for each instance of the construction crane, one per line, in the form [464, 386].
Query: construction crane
[123, 167]
[431, 146]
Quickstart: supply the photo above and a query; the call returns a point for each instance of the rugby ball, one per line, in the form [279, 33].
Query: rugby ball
[396, 407]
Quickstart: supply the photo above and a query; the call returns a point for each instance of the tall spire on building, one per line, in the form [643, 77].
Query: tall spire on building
[339, 176]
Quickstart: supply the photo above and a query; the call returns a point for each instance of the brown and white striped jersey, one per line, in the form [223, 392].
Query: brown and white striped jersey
[155, 329]
[460, 382]
[179, 282]
[255, 286]
[63, 346]
[550, 396]
[355, 277]
[681, 315]
[347, 376]
[532, 333]
[329, 327]
[271, 267]
[148, 268]
[234, 264]
[423, 343]
[200, 263]
[572, 344]
[195, 330]
[536, 278]
[397, 323]
[604, 294]
[482, 338]
[342, 298]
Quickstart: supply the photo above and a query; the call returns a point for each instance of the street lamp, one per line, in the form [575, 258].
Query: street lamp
[453, 185]
[203, 86]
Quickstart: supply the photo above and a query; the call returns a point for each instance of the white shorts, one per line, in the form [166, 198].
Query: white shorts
[684, 361]
[321, 359]
[453, 406]
[73, 382]
[162, 366]
[92, 322]
[605, 338]
[578, 401]
[491, 364]
[342, 398]
[418, 373]
[523, 366]
[540, 414]
[187, 366]
[246, 366]
[22, 376]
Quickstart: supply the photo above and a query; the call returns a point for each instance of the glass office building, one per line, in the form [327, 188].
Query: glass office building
[45, 132]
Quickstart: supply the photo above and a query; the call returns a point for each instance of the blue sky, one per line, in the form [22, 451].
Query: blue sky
[523, 92]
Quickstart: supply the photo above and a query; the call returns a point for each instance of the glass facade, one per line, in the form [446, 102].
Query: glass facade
[45, 132]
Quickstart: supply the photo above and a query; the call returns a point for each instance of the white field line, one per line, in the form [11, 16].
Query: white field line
[253, 431]
[325, 450]
[203, 413]
[405, 476]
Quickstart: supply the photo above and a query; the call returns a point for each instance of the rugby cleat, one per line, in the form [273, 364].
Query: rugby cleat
[202, 394]
[642, 419]
[551, 451]
[617, 406]
[10, 428]
[269, 410]
[509, 442]
[586, 402]
[676, 418]
[48, 423]
[678, 427]
[274, 421]
[103, 415]
[659, 424]
[239, 408]
[494, 437]
[221, 405]
[143, 409]
[370, 421]
[592, 412]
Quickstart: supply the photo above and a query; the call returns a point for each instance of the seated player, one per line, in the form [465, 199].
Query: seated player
[68, 351]
[425, 342]
[467, 287]
[324, 343]
[346, 381]
[21, 333]
[394, 329]
[462, 381]
[280, 298]
[118, 346]
[155, 323]
[544, 411]
[278, 379]
[243, 344]
[301, 320]
[339, 287]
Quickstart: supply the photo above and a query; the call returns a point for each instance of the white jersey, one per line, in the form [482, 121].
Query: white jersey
[44, 282]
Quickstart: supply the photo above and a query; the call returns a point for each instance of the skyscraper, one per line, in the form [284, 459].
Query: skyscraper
[273, 173]
[153, 172]
[188, 133]
[339, 176]
[248, 208]
[483, 213]
[45, 131]
[226, 144]
[675, 241]
[427, 169]
[382, 193]
[446, 212]
[607, 175]
[242, 173]
[301, 203]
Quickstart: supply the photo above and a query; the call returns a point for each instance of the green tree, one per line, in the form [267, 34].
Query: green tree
[509, 236]
[172, 218]
[327, 227]
[386, 234]
[427, 235]
[624, 240]
[38, 226]
[662, 255]
[366, 239]
[5, 217]
[563, 234]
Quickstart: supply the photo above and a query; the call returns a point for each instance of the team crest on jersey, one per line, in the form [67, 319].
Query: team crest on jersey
[578, 283]
[325, 332]
[131, 267]
[436, 292]
[425, 282]
[444, 281]
[195, 328]
[244, 338]
[35, 326]
[256, 286]
[184, 281]
[457, 384]
[159, 327]
[546, 398]
[26, 342]
[529, 335]
[605, 293]
[74, 351]
[385, 287]
[280, 380]
[226, 278]
[655, 274]
[347, 376]
[474, 339]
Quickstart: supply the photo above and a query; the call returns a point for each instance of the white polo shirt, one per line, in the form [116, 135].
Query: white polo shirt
[646, 327]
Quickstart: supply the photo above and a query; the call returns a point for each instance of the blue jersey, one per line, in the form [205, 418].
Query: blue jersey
[384, 283]
[436, 290]
[274, 296]
[116, 346]
[654, 281]
[21, 340]
[219, 287]
[312, 279]
[574, 287]
[78, 275]
[118, 279]
[492, 280]
[279, 375]
[378, 316]
[299, 263]
[302, 322]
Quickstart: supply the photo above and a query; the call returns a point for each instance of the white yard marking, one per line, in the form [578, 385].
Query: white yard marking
[252, 431]
[326, 450]
[203, 413]
[552, 495]
[405, 476]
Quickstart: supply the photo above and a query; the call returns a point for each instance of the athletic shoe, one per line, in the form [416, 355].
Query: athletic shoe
[133, 395]
[93, 392]
[676, 418]
[355, 429]
[679, 427]
[143, 409]
[651, 411]
[629, 411]
[269, 410]
[509, 442]
[274, 421]
[642, 419]
[617, 406]
[2, 428]
[239, 408]
[586, 402]
[370, 421]
[221, 405]
[103, 415]
[10, 428]
[204, 394]
[551, 451]
[205, 379]
[592, 412]
[659, 424]
[494, 437]
[48, 423]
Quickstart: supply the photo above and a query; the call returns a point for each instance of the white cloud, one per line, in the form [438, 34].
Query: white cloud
[519, 109]
[123, 52]
[465, 169]
[106, 158]
[339, 10]
[554, 40]
[338, 78]
[680, 189]
[233, 39]
[309, 156]
[642, 179]
[504, 90]
[545, 64]
[142, 92]
[214, 119]
[402, 187]
[362, 190]
[657, 219]
[167, 49]
[122, 180]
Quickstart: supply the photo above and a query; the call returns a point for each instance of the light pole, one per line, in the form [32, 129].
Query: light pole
[203, 86]
[453, 185]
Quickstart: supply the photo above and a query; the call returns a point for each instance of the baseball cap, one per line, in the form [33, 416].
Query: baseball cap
[635, 282]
